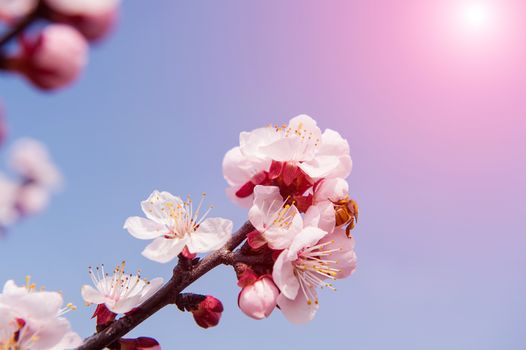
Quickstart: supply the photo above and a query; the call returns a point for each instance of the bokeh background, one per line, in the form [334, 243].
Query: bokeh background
[430, 95]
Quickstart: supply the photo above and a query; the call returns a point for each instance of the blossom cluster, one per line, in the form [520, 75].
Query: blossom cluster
[37, 178]
[56, 55]
[292, 179]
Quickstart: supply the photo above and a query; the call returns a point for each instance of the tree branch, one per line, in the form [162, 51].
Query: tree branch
[236, 257]
[168, 294]
[22, 25]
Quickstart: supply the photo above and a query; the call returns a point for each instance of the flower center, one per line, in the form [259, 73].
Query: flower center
[120, 285]
[283, 217]
[183, 218]
[306, 138]
[313, 267]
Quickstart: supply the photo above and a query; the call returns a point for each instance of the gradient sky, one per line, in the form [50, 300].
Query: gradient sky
[432, 102]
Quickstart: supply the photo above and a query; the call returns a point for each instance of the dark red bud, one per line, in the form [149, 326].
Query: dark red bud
[141, 343]
[208, 312]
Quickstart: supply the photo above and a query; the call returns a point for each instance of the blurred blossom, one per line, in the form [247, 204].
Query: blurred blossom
[53, 59]
[12, 9]
[38, 178]
[32, 199]
[93, 18]
[8, 195]
[31, 159]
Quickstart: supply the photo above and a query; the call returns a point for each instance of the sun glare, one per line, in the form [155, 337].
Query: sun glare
[477, 16]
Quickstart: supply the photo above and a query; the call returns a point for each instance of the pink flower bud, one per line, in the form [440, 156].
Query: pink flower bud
[258, 300]
[93, 18]
[54, 58]
[141, 343]
[208, 312]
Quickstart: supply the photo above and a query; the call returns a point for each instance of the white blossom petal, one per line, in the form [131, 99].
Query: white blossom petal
[276, 221]
[345, 255]
[297, 310]
[164, 250]
[125, 305]
[92, 295]
[321, 166]
[211, 235]
[142, 228]
[70, 341]
[331, 190]
[308, 237]
[238, 168]
[322, 216]
[151, 288]
[154, 207]
[267, 201]
[283, 276]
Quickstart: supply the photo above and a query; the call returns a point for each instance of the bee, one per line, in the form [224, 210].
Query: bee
[346, 211]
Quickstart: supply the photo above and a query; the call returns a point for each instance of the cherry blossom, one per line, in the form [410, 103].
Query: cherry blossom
[276, 219]
[298, 149]
[313, 257]
[120, 292]
[33, 320]
[173, 224]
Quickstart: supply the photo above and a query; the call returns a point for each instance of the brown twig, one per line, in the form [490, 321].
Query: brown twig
[22, 25]
[169, 293]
